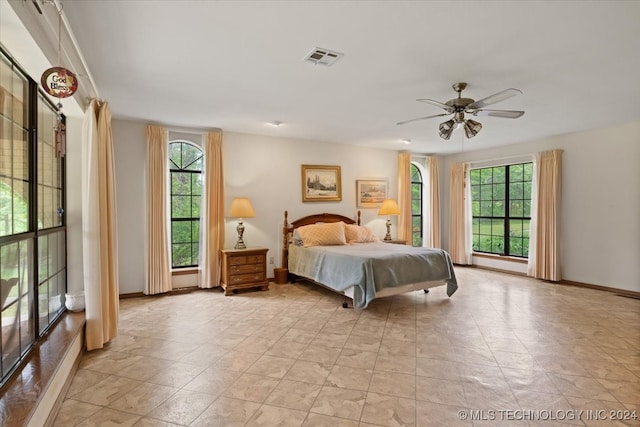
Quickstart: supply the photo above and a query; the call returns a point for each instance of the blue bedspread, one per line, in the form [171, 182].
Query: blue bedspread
[370, 267]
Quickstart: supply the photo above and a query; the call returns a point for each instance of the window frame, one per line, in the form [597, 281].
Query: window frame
[507, 219]
[180, 169]
[30, 330]
[417, 217]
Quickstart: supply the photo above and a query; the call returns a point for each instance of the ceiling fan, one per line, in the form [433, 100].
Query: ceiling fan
[459, 106]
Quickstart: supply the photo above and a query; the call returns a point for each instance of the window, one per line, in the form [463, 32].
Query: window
[33, 278]
[185, 168]
[416, 206]
[501, 205]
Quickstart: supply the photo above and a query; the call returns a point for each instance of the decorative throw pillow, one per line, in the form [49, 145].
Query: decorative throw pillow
[323, 234]
[296, 240]
[360, 234]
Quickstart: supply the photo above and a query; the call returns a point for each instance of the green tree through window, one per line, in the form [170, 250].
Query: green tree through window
[416, 206]
[185, 165]
[13, 211]
[501, 205]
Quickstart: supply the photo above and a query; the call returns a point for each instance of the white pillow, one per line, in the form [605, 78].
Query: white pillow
[296, 240]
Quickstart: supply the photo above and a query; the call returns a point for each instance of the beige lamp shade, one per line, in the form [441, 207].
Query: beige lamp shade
[241, 208]
[389, 207]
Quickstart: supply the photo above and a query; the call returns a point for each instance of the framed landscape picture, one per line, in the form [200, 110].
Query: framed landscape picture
[321, 183]
[370, 193]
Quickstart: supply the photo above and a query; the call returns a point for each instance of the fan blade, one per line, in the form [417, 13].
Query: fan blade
[445, 107]
[508, 114]
[492, 99]
[422, 118]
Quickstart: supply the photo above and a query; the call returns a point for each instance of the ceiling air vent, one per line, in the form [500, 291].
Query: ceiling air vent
[324, 57]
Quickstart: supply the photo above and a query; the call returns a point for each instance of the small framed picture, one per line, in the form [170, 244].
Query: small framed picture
[321, 183]
[370, 193]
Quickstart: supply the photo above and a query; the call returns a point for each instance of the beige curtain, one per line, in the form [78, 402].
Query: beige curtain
[433, 239]
[99, 233]
[460, 219]
[158, 261]
[404, 196]
[544, 244]
[212, 229]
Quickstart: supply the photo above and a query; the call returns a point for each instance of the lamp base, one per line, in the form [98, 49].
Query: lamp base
[388, 236]
[240, 243]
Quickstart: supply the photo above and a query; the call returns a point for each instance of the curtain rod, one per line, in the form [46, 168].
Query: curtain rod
[76, 48]
[504, 159]
[197, 131]
[424, 156]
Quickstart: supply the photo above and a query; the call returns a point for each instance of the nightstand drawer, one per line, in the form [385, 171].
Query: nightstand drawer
[247, 268]
[237, 279]
[250, 259]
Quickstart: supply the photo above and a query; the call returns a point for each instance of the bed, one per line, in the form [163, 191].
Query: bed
[357, 264]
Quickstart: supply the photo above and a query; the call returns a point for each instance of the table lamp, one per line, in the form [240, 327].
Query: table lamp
[241, 208]
[389, 207]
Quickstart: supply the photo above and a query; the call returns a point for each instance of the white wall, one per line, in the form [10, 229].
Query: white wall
[600, 208]
[265, 169]
[130, 164]
[75, 279]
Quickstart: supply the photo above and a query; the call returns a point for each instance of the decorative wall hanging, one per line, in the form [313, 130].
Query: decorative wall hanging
[370, 193]
[321, 183]
[60, 83]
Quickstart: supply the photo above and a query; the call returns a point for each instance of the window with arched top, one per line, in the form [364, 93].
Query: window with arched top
[185, 169]
[416, 206]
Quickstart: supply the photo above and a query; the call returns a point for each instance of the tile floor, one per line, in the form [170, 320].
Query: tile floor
[504, 350]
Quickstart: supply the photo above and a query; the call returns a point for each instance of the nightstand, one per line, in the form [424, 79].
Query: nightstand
[397, 242]
[244, 269]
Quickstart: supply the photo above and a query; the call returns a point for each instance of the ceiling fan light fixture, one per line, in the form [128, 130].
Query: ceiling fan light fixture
[460, 106]
[446, 129]
[471, 128]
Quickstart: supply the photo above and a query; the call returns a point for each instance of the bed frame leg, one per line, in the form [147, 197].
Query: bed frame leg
[345, 303]
[426, 291]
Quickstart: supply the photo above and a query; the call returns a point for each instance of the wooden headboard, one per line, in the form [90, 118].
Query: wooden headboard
[287, 229]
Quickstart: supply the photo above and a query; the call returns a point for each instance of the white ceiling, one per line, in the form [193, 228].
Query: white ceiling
[238, 65]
